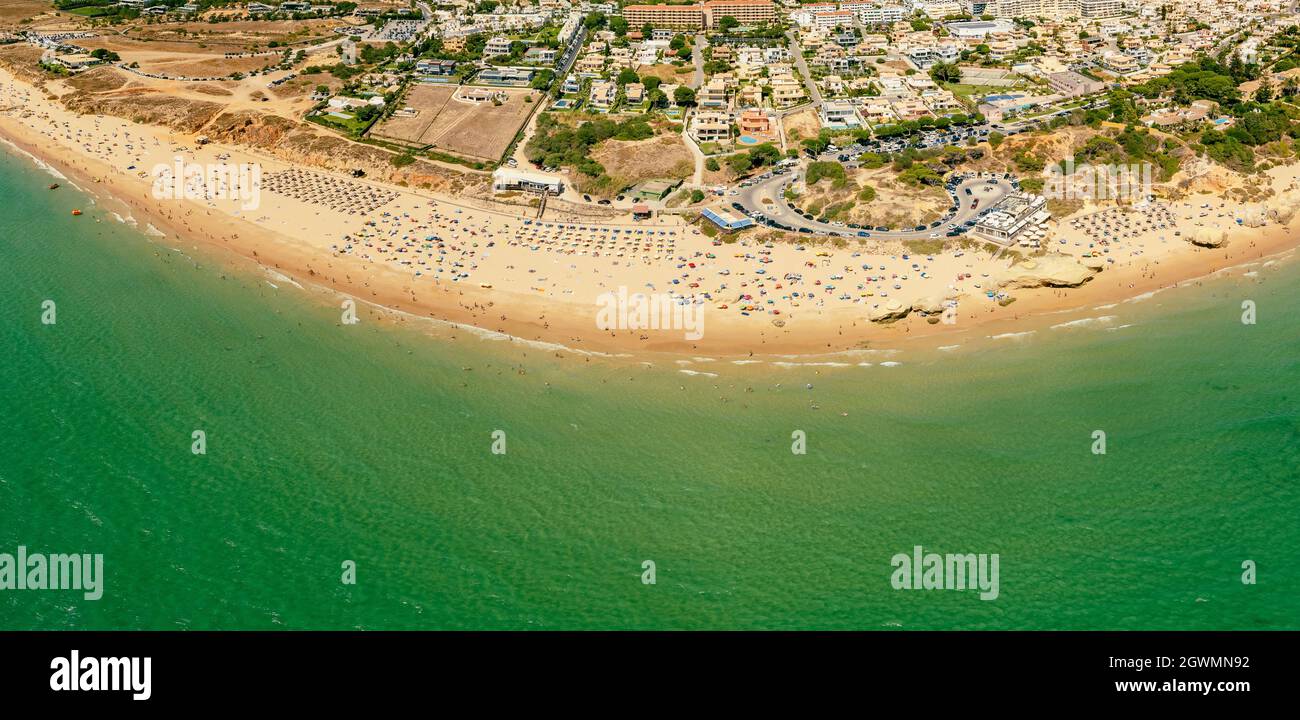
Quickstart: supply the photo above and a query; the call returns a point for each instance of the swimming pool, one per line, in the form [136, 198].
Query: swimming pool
[992, 98]
[748, 140]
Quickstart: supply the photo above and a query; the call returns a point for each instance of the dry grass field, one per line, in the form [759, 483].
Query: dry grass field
[12, 12]
[667, 73]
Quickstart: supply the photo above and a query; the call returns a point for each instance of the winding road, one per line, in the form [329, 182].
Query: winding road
[773, 189]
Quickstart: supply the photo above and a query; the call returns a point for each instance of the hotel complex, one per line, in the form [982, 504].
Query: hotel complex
[704, 15]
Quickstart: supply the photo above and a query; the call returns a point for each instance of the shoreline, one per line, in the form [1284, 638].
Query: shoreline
[509, 314]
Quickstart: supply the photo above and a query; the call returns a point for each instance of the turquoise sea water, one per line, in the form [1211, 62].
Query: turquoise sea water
[372, 443]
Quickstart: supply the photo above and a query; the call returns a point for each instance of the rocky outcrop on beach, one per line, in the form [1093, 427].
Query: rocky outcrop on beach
[928, 305]
[894, 310]
[1051, 270]
[1205, 237]
[888, 312]
[1096, 263]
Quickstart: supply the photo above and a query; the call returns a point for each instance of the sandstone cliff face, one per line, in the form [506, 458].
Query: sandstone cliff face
[145, 106]
[107, 91]
[300, 142]
[21, 60]
[250, 128]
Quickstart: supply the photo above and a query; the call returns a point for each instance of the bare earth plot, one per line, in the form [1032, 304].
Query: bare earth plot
[448, 122]
[429, 100]
[487, 130]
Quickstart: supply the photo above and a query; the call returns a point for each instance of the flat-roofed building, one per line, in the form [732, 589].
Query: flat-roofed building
[713, 94]
[709, 126]
[972, 29]
[77, 61]
[1012, 216]
[705, 15]
[1072, 84]
[603, 94]
[747, 12]
[831, 19]
[435, 67]
[754, 121]
[690, 17]
[881, 14]
[786, 91]
[499, 45]
[506, 76]
[1100, 8]
[506, 179]
[840, 116]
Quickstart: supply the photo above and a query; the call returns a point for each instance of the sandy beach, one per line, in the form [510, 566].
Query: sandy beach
[419, 254]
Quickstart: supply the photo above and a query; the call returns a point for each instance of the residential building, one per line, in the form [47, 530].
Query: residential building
[837, 115]
[713, 94]
[711, 126]
[541, 55]
[1072, 84]
[754, 121]
[785, 90]
[499, 45]
[603, 94]
[881, 14]
[1093, 9]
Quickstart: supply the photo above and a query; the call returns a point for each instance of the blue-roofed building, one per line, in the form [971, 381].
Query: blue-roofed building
[726, 219]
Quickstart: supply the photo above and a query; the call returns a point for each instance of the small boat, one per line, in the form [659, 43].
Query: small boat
[54, 186]
[76, 212]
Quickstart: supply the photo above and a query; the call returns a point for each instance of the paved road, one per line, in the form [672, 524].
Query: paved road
[752, 198]
[697, 54]
[802, 66]
[697, 178]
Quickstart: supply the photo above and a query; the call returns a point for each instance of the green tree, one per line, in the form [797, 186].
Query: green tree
[943, 72]
[684, 96]
[739, 163]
